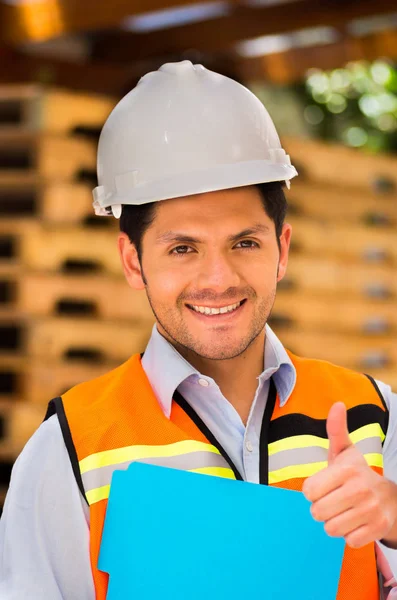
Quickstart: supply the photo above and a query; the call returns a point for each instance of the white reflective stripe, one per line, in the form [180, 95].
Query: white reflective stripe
[315, 454]
[306, 470]
[186, 462]
[304, 441]
[102, 492]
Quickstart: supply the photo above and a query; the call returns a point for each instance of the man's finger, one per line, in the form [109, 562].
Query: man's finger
[337, 431]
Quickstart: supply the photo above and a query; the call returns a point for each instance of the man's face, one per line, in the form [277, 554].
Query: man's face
[210, 265]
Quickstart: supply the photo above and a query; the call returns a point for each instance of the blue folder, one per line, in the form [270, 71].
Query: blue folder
[175, 535]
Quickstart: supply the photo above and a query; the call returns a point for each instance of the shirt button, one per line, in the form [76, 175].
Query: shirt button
[249, 446]
[203, 382]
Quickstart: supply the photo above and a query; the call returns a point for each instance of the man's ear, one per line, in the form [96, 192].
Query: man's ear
[285, 240]
[130, 261]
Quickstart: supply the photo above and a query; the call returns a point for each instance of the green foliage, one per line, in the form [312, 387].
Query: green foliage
[356, 105]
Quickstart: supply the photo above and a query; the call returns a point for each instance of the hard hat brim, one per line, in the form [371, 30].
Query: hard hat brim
[129, 187]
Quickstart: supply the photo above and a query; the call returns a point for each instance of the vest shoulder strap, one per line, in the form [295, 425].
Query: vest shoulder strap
[372, 380]
[55, 407]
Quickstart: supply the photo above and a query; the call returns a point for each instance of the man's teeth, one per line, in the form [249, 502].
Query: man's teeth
[205, 310]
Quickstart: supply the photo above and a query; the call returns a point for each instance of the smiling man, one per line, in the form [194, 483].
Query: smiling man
[191, 164]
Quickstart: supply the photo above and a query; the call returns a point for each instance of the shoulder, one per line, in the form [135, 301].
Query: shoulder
[42, 465]
[389, 396]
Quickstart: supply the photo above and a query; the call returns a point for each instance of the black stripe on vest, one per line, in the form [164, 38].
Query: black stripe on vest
[55, 406]
[299, 424]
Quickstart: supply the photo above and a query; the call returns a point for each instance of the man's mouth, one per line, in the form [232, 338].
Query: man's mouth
[216, 310]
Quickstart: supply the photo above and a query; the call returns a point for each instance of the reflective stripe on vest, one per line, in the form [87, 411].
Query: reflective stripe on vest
[303, 455]
[188, 455]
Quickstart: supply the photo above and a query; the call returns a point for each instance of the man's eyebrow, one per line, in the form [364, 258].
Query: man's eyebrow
[257, 228]
[170, 237]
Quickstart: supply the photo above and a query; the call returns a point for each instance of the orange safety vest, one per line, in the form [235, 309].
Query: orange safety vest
[116, 419]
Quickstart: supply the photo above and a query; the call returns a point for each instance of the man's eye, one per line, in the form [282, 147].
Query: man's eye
[247, 244]
[180, 250]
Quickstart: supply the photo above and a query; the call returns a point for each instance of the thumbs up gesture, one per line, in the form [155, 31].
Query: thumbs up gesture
[351, 499]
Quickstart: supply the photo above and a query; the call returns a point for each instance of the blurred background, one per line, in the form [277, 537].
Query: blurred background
[326, 71]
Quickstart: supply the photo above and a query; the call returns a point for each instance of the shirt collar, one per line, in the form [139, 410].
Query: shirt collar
[166, 369]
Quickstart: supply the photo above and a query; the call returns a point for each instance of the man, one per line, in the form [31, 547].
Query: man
[192, 165]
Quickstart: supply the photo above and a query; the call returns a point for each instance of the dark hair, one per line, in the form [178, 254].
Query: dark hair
[135, 219]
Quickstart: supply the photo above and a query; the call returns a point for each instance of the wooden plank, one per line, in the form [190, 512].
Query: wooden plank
[340, 205]
[332, 163]
[68, 249]
[242, 23]
[45, 380]
[352, 351]
[50, 156]
[354, 242]
[328, 314]
[102, 296]
[85, 339]
[60, 111]
[12, 386]
[325, 276]
[49, 202]
[37, 381]
[20, 421]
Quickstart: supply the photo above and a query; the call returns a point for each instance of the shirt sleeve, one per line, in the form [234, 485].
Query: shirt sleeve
[44, 529]
[390, 459]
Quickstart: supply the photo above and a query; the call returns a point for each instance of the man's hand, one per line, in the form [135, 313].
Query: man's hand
[353, 500]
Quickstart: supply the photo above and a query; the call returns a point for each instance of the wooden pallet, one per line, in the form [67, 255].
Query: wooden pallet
[348, 241]
[330, 313]
[45, 380]
[19, 421]
[53, 157]
[54, 110]
[338, 204]
[333, 164]
[104, 297]
[88, 340]
[353, 351]
[12, 384]
[326, 275]
[55, 202]
[68, 249]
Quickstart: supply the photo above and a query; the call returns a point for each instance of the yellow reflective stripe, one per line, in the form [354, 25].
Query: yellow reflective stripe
[305, 441]
[303, 471]
[120, 455]
[368, 431]
[374, 459]
[102, 493]
[98, 494]
[297, 441]
[296, 471]
[217, 471]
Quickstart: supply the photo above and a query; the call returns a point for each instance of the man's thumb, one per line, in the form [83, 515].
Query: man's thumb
[337, 431]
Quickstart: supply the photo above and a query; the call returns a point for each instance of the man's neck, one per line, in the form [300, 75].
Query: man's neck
[236, 377]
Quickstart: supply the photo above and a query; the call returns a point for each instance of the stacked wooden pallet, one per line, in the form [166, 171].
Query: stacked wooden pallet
[338, 301]
[66, 313]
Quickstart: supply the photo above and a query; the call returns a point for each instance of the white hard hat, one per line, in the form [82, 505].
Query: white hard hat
[185, 130]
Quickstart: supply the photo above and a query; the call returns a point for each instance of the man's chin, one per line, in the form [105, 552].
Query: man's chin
[224, 352]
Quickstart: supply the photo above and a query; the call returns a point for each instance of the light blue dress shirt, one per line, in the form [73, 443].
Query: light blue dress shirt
[240, 441]
[44, 531]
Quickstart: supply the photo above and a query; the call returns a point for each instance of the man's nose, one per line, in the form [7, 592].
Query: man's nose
[218, 273]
